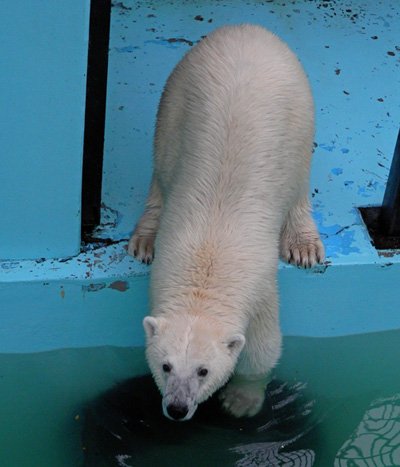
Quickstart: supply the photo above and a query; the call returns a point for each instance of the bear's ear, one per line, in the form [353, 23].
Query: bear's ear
[151, 326]
[236, 343]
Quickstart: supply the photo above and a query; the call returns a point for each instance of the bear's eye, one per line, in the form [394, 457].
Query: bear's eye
[202, 372]
[166, 368]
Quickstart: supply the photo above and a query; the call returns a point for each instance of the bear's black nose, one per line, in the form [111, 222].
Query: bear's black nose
[177, 412]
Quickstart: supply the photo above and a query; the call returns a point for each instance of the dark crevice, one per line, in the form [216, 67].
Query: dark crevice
[96, 92]
[383, 222]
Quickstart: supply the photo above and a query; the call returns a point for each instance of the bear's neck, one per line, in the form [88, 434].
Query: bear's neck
[214, 281]
[196, 302]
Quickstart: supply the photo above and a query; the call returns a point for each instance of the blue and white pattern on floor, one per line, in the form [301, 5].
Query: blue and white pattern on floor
[351, 52]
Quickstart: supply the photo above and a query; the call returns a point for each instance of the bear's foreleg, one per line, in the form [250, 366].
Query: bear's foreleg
[141, 244]
[300, 243]
[244, 394]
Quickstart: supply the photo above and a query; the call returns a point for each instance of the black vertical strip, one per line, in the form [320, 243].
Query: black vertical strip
[390, 212]
[96, 92]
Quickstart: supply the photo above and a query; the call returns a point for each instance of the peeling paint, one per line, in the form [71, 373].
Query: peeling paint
[93, 287]
[121, 7]
[321, 268]
[326, 147]
[127, 49]
[338, 240]
[337, 171]
[9, 265]
[101, 261]
[172, 42]
[370, 187]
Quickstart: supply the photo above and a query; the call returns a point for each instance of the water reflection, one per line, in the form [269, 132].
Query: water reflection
[269, 454]
[288, 407]
[125, 428]
[376, 440]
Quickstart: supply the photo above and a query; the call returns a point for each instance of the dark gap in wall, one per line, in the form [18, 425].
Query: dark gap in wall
[96, 93]
[380, 240]
[383, 222]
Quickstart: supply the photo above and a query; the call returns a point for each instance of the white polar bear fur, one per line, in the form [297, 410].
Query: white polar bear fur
[229, 192]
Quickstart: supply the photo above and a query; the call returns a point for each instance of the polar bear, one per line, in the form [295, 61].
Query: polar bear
[229, 191]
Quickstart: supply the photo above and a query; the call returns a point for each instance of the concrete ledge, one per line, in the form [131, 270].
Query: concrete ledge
[340, 300]
[100, 297]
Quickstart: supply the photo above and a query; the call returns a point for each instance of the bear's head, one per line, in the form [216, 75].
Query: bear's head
[190, 357]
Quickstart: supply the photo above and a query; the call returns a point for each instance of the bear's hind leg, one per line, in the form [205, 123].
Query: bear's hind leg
[141, 244]
[245, 393]
[300, 243]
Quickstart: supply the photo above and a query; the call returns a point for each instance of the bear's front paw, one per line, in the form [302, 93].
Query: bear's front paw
[243, 398]
[303, 251]
[142, 248]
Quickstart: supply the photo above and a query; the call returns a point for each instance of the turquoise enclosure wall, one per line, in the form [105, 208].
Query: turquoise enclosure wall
[54, 295]
[42, 98]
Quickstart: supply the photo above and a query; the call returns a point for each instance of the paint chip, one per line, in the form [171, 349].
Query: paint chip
[172, 40]
[337, 171]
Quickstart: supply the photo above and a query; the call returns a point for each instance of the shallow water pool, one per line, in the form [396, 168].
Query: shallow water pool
[342, 408]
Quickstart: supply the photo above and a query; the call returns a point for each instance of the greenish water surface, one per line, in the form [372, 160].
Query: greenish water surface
[350, 385]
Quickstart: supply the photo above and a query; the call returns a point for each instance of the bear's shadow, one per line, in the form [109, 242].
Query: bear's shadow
[125, 427]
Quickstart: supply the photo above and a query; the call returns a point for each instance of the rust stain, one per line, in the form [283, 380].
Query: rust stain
[121, 286]
[388, 253]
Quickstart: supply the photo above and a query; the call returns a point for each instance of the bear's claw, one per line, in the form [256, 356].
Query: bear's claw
[142, 248]
[304, 252]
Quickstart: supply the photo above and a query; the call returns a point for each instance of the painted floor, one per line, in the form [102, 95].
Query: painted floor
[351, 52]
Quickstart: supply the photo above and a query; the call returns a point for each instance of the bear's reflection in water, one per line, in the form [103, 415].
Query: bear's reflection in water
[126, 427]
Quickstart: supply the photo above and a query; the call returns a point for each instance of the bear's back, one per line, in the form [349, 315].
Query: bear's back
[229, 105]
[232, 150]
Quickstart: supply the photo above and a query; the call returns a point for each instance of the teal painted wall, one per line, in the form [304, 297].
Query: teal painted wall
[99, 307]
[98, 297]
[43, 60]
